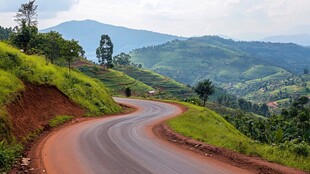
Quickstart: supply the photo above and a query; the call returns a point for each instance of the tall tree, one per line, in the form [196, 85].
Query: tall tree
[204, 89]
[23, 37]
[28, 13]
[104, 51]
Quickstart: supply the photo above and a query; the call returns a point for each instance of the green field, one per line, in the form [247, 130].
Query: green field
[207, 126]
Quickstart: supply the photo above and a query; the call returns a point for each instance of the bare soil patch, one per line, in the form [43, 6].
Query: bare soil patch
[36, 105]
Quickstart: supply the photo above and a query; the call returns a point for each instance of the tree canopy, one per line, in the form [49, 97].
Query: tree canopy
[204, 89]
[105, 50]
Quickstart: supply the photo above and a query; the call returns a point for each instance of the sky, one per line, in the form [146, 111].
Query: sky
[241, 19]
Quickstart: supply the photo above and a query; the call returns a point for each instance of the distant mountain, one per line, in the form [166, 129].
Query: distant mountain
[88, 34]
[254, 70]
[300, 39]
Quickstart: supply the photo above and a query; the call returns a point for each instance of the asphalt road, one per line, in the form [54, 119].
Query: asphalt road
[121, 145]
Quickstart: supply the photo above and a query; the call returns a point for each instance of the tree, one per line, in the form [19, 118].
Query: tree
[127, 92]
[23, 37]
[70, 50]
[104, 51]
[306, 71]
[48, 44]
[5, 33]
[204, 89]
[122, 59]
[27, 13]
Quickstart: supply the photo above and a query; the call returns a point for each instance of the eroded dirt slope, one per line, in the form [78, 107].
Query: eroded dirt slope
[36, 105]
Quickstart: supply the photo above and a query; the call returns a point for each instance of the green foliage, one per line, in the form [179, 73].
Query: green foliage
[105, 50]
[204, 89]
[5, 33]
[8, 154]
[207, 126]
[59, 120]
[24, 37]
[122, 59]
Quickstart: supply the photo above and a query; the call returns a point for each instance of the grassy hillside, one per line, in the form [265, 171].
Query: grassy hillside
[246, 69]
[16, 67]
[158, 82]
[115, 81]
[209, 127]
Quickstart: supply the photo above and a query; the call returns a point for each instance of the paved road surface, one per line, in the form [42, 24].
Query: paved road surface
[121, 145]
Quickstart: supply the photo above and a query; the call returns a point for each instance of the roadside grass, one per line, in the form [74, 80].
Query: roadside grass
[207, 126]
[59, 120]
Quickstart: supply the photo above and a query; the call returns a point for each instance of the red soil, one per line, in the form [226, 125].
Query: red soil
[36, 105]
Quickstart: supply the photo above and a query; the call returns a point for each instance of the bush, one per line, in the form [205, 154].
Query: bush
[8, 153]
[301, 149]
[59, 120]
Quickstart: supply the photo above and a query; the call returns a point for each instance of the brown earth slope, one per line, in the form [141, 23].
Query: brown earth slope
[36, 105]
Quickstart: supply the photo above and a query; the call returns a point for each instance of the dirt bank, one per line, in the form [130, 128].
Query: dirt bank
[36, 105]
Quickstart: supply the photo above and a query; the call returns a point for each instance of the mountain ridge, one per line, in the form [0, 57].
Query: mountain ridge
[88, 33]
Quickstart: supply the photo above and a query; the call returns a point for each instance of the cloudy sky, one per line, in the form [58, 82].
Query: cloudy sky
[243, 19]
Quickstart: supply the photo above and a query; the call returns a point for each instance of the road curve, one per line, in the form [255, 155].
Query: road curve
[121, 145]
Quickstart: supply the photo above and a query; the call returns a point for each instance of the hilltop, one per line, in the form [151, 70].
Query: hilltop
[88, 34]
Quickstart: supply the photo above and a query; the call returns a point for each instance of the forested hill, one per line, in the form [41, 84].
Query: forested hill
[286, 55]
[88, 34]
[247, 69]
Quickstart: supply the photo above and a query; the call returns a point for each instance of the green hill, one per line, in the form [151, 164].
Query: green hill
[252, 70]
[17, 68]
[158, 82]
[115, 81]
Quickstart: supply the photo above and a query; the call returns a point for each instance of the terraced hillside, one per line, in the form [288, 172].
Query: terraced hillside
[251, 70]
[158, 82]
[114, 80]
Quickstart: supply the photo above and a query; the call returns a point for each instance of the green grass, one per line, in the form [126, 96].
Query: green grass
[59, 120]
[116, 81]
[207, 126]
[158, 82]
[87, 92]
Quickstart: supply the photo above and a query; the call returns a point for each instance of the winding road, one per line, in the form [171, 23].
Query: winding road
[122, 145]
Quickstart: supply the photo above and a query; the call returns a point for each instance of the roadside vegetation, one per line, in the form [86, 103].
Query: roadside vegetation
[207, 126]
[59, 120]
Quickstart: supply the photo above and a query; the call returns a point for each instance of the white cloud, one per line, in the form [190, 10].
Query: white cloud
[180, 17]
